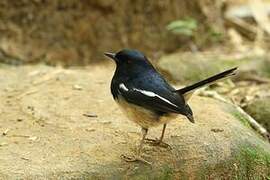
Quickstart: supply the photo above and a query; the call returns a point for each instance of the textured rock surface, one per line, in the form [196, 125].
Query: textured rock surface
[260, 110]
[46, 134]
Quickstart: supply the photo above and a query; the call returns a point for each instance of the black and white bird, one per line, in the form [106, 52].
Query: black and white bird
[146, 97]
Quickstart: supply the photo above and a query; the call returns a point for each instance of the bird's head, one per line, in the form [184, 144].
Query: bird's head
[128, 57]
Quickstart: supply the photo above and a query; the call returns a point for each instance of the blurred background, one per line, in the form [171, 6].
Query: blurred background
[57, 116]
[70, 32]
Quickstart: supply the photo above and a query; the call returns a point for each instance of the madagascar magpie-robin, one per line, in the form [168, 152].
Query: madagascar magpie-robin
[145, 96]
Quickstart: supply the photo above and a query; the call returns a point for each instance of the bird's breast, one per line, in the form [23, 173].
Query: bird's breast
[144, 117]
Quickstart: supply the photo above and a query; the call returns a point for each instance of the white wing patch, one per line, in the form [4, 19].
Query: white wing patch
[152, 94]
[123, 87]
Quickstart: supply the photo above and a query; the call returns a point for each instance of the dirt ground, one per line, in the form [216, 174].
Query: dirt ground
[64, 123]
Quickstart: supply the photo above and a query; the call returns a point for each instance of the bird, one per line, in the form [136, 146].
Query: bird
[145, 96]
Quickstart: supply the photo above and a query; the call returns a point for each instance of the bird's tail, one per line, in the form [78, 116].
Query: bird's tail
[188, 90]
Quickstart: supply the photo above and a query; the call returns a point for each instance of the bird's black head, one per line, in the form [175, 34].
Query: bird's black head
[128, 57]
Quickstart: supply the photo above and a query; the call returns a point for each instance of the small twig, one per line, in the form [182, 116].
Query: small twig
[26, 159]
[18, 135]
[250, 120]
[77, 87]
[5, 132]
[47, 77]
[90, 115]
[216, 130]
[29, 92]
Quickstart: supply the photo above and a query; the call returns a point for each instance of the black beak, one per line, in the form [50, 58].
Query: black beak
[190, 118]
[110, 55]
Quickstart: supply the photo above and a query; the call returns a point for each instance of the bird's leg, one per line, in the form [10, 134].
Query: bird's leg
[162, 134]
[138, 157]
[144, 133]
[159, 142]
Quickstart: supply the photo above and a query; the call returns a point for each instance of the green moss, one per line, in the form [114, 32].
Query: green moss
[221, 170]
[265, 69]
[235, 113]
[167, 173]
[247, 162]
[253, 162]
[241, 117]
[145, 172]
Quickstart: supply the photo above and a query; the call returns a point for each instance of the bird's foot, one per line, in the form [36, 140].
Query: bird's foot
[134, 158]
[157, 142]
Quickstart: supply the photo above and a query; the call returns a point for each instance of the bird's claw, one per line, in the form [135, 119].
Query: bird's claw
[134, 158]
[157, 142]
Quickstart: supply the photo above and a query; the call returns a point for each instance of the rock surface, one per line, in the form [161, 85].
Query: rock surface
[259, 109]
[46, 135]
[191, 67]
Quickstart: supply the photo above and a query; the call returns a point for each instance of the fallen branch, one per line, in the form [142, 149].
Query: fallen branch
[253, 123]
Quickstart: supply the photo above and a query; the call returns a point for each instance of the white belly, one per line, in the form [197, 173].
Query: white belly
[143, 117]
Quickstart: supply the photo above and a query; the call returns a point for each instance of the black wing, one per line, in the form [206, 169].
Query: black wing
[154, 97]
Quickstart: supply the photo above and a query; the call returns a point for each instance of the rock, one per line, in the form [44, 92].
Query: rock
[191, 67]
[259, 109]
[70, 145]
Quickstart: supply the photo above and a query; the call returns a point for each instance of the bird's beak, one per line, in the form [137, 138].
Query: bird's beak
[110, 55]
[191, 118]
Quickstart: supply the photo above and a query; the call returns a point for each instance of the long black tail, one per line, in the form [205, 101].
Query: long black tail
[207, 81]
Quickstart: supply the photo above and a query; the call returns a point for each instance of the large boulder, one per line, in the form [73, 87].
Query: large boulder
[46, 135]
[259, 109]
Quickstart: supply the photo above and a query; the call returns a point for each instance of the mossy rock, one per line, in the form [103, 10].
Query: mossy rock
[53, 140]
[192, 67]
[260, 110]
